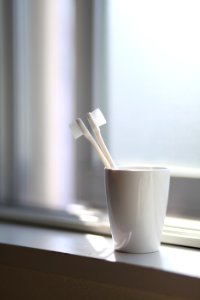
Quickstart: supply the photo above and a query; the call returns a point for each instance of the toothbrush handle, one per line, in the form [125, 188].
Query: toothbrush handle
[99, 151]
[104, 148]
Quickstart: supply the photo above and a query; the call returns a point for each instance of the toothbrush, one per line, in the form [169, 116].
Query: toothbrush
[78, 129]
[96, 119]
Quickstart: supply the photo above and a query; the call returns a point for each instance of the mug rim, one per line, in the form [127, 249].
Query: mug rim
[137, 169]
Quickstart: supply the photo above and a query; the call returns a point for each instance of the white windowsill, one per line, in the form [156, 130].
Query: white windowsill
[172, 271]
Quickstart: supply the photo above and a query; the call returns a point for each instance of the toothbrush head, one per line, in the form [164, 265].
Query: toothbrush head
[76, 130]
[96, 118]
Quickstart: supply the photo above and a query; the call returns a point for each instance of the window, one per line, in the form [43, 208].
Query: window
[154, 70]
[136, 60]
[37, 102]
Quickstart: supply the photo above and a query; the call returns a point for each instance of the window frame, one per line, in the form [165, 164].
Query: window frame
[90, 91]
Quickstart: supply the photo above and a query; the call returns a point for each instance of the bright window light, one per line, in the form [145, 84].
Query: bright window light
[153, 82]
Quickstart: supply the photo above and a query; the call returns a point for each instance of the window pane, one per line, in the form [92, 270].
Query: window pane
[153, 81]
[47, 69]
[43, 102]
[153, 72]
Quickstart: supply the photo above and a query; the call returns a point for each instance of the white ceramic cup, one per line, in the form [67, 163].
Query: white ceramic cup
[137, 202]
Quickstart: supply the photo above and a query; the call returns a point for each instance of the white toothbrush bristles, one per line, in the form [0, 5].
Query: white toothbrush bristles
[75, 129]
[78, 129]
[98, 117]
